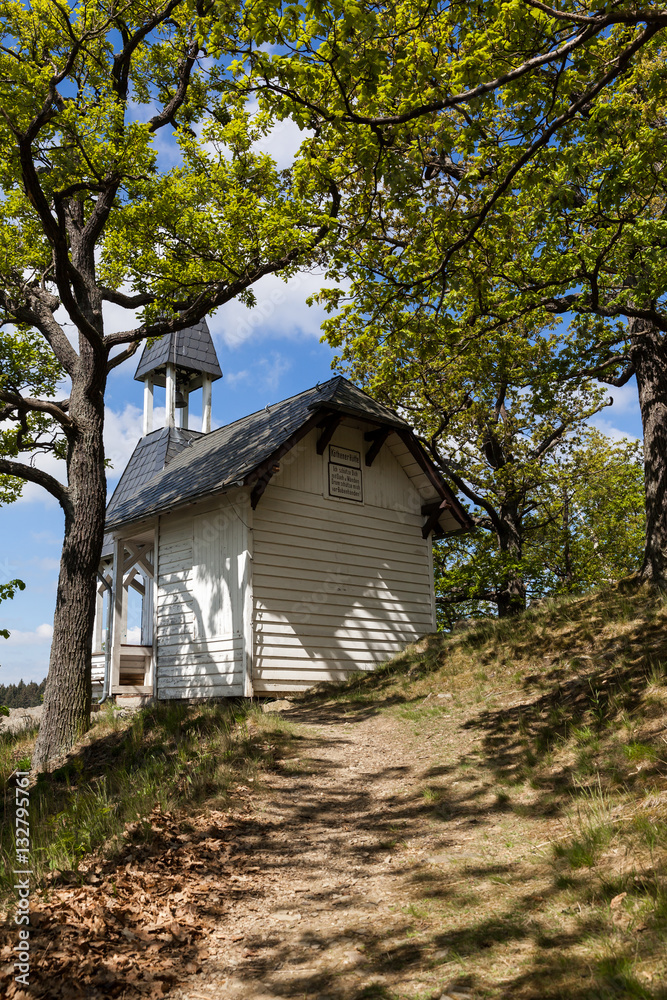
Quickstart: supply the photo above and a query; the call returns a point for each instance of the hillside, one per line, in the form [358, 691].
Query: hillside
[485, 816]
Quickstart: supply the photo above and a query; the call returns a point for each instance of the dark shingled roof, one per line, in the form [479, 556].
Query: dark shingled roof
[226, 456]
[150, 456]
[191, 349]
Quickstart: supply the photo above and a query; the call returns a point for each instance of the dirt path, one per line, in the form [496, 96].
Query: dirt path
[337, 841]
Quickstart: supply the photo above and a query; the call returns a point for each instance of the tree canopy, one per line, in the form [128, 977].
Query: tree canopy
[584, 529]
[7, 591]
[495, 162]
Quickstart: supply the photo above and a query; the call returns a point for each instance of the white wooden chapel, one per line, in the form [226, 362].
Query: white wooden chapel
[289, 547]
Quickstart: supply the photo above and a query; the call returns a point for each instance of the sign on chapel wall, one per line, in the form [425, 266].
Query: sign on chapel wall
[345, 474]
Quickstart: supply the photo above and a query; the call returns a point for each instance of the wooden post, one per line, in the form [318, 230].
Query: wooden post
[148, 405]
[156, 600]
[185, 411]
[206, 385]
[117, 596]
[170, 403]
[99, 619]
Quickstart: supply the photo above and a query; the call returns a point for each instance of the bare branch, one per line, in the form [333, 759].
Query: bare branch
[123, 356]
[126, 301]
[30, 403]
[32, 475]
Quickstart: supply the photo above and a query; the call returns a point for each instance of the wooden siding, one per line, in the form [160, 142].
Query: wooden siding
[97, 670]
[200, 647]
[338, 585]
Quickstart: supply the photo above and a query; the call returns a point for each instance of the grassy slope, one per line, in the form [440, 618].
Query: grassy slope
[547, 779]
[544, 781]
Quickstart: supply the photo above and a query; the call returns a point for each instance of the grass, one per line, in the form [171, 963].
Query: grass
[166, 756]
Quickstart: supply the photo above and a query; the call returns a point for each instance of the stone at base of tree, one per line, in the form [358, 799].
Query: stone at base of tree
[462, 624]
[282, 705]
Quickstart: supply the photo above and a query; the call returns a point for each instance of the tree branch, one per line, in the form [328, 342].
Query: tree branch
[167, 114]
[125, 300]
[123, 356]
[202, 305]
[575, 107]
[452, 102]
[27, 403]
[603, 20]
[32, 475]
[478, 500]
[39, 313]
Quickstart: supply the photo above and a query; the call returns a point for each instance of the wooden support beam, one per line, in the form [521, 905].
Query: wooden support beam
[139, 557]
[170, 403]
[206, 384]
[119, 610]
[328, 430]
[377, 438]
[261, 484]
[148, 405]
[433, 512]
[418, 453]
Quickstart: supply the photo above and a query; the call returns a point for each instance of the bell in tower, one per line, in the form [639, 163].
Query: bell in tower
[181, 363]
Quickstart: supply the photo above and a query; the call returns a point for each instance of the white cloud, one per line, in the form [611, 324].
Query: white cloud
[46, 565]
[46, 538]
[626, 399]
[122, 430]
[41, 635]
[134, 636]
[282, 142]
[281, 311]
[611, 431]
[31, 491]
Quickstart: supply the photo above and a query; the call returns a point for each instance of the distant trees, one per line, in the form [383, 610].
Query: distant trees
[22, 695]
[585, 529]
[501, 420]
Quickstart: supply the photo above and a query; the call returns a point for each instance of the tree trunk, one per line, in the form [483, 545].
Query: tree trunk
[649, 355]
[511, 598]
[67, 697]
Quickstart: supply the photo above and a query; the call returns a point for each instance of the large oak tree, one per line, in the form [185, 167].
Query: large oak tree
[90, 215]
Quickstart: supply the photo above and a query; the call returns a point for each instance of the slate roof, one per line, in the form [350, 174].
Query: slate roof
[191, 349]
[214, 462]
[150, 457]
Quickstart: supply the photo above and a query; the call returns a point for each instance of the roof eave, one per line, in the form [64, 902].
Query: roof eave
[351, 411]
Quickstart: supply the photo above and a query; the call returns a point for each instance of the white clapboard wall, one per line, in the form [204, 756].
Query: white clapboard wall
[97, 673]
[202, 567]
[338, 585]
